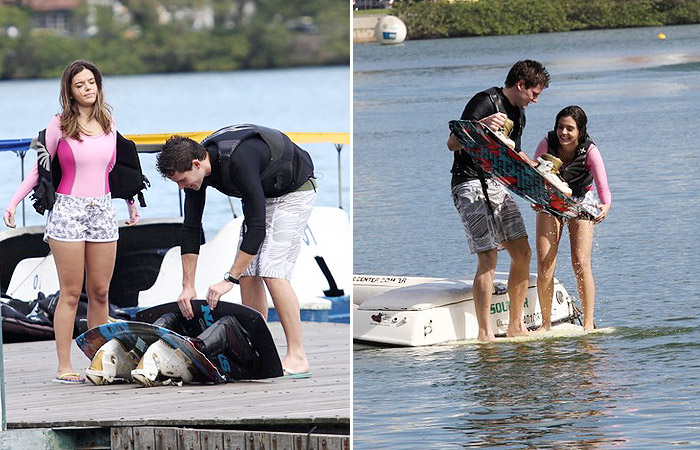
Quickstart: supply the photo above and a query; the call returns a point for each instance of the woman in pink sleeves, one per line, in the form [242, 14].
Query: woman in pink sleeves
[582, 165]
[81, 227]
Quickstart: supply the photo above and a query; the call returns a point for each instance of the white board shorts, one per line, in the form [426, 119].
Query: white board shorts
[78, 219]
[285, 222]
[486, 231]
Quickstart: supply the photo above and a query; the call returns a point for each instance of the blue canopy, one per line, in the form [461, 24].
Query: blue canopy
[14, 145]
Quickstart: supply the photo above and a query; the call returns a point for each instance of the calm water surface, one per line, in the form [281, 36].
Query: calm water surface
[636, 388]
[294, 100]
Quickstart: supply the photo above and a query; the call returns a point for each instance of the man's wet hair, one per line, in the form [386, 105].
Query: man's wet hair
[532, 73]
[177, 154]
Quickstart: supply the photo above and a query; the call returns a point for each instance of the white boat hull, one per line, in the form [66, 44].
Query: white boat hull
[417, 311]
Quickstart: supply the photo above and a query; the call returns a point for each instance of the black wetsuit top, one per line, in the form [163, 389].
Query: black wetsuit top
[482, 105]
[247, 163]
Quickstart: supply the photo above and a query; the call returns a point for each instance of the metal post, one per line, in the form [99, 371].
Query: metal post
[22, 154]
[339, 147]
[2, 382]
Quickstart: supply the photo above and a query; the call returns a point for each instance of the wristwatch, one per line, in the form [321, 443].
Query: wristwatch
[231, 278]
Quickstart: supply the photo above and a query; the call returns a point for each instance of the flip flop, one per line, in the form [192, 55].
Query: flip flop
[65, 378]
[289, 374]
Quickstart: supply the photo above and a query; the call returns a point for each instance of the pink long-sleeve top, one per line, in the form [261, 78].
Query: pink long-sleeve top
[85, 165]
[594, 163]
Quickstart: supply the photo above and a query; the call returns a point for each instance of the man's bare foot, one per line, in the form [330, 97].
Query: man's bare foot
[544, 327]
[517, 329]
[486, 336]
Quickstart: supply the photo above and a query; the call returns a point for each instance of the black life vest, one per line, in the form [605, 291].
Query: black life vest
[499, 106]
[44, 195]
[575, 173]
[289, 166]
[126, 179]
[464, 165]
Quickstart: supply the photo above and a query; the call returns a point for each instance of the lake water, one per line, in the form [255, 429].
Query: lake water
[295, 100]
[636, 388]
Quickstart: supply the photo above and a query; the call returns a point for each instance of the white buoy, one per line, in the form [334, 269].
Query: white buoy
[390, 30]
[12, 32]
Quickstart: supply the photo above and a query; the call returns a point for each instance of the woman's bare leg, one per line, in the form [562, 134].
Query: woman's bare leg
[581, 234]
[547, 242]
[70, 265]
[99, 267]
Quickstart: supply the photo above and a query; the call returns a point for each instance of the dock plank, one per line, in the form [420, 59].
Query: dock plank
[34, 401]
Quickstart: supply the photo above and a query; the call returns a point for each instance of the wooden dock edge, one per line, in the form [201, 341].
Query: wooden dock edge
[162, 438]
[127, 438]
[325, 425]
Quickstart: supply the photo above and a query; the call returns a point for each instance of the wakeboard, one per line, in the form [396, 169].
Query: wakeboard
[508, 168]
[137, 336]
[141, 335]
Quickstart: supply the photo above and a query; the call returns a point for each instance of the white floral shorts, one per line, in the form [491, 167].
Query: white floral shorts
[285, 222]
[75, 219]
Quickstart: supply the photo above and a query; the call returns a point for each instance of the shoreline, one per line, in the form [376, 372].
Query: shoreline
[453, 19]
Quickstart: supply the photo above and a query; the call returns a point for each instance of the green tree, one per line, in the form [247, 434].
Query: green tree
[246, 34]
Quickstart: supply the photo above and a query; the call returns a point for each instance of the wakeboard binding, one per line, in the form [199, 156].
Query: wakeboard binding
[163, 364]
[112, 363]
[548, 165]
[504, 133]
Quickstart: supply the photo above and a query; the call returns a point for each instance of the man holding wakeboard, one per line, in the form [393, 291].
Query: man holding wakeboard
[273, 177]
[491, 218]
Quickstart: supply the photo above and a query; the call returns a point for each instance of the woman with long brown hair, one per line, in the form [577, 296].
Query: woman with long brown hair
[582, 166]
[81, 227]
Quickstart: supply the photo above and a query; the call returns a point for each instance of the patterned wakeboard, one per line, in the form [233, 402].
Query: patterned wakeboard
[140, 335]
[508, 168]
[267, 362]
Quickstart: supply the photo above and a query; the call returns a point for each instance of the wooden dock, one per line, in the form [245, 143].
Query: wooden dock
[304, 413]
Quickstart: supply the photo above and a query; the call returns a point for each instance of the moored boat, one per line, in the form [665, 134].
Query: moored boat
[417, 311]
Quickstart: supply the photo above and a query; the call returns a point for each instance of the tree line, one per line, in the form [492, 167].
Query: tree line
[246, 34]
[428, 20]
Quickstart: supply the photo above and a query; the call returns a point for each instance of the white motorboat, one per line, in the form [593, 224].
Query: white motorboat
[416, 311]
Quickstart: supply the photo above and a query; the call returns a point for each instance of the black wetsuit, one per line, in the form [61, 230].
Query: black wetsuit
[482, 105]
